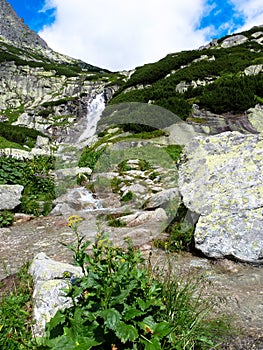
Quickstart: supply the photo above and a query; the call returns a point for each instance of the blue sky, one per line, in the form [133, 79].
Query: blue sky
[121, 34]
[31, 12]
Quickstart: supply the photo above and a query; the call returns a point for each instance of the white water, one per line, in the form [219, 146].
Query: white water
[95, 109]
[84, 197]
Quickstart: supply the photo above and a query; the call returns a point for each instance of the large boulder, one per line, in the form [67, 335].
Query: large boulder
[50, 278]
[10, 196]
[221, 179]
[234, 41]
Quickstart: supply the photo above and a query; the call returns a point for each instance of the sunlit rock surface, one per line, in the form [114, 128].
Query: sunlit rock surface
[221, 179]
[50, 278]
[10, 196]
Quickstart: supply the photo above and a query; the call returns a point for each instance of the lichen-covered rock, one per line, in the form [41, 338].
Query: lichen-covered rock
[163, 198]
[50, 278]
[234, 41]
[254, 69]
[255, 117]
[221, 179]
[10, 196]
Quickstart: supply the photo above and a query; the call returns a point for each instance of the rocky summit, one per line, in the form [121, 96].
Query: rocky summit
[13, 29]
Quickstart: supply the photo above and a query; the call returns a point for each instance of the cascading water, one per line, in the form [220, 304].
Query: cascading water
[95, 108]
[80, 197]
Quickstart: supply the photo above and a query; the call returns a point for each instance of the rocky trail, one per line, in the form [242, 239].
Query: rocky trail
[235, 288]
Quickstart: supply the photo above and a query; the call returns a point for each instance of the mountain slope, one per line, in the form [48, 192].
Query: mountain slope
[13, 29]
[39, 86]
[224, 76]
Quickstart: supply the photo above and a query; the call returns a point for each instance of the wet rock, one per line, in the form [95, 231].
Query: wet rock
[75, 200]
[221, 179]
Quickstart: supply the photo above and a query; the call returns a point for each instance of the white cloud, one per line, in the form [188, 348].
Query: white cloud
[250, 10]
[121, 34]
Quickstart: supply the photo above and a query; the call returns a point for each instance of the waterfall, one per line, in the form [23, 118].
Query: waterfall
[95, 108]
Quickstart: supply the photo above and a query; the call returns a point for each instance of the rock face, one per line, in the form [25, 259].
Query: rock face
[10, 196]
[255, 117]
[13, 28]
[50, 277]
[234, 41]
[221, 179]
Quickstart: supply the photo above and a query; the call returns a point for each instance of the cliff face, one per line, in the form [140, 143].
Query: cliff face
[13, 29]
[39, 86]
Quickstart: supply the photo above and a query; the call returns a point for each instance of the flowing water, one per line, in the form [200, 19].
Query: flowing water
[95, 109]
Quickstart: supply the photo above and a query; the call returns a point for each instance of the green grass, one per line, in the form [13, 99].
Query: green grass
[16, 312]
[13, 113]
[4, 143]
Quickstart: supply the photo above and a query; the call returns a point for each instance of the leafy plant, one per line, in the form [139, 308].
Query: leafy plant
[116, 223]
[120, 304]
[128, 196]
[34, 175]
[181, 233]
[15, 312]
[6, 218]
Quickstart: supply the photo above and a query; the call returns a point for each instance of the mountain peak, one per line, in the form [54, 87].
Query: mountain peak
[14, 30]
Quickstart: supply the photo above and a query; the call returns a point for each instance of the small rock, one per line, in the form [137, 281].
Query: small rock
[10, 196]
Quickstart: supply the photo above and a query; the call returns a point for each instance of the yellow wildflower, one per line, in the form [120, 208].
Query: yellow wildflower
[74, 220]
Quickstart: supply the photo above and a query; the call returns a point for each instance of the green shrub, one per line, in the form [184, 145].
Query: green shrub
[227, 89]
[174, 151]
[127, 197]
[120, 303]
[6, 218]
[89, 157]
[116, 223]
[19, 134]
[4, 143]
[34, 175]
